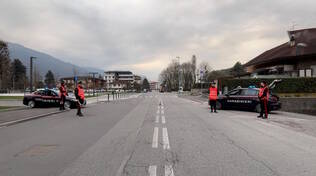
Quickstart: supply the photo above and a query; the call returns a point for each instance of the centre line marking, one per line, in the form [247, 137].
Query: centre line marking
[155, 138]
[157, 119]
[169, 170]
[165, 139]
[152, 170]
[163, 119]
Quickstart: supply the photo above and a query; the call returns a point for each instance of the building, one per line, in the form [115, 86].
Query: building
[117, 80]
[154, 85]
[88, 82]
[295, 58]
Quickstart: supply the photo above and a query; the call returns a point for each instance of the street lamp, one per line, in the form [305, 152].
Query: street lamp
[31, 73]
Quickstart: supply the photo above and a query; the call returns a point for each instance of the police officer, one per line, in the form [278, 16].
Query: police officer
[213, 97]
[79, 93]
[62, 93]
[263, 96]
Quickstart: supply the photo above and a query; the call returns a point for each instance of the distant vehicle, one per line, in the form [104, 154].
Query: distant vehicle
[247, 99]
[47, 98]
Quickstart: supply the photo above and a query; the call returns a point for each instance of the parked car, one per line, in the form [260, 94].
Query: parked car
[47, 98]
[247, 98]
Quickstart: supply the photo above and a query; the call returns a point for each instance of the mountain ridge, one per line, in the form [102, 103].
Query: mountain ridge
[45, 62]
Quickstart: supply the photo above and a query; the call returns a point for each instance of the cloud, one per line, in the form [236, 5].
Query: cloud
[144, 35]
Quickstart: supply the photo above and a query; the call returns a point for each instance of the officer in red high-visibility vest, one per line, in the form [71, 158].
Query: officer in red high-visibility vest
[263, 96]
[62, 94]
[213, 97]
[79, 93]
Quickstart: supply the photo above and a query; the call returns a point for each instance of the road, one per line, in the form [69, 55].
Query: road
[157, 135]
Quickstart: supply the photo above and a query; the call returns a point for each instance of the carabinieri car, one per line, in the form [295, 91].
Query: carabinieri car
[246, 99]
[47, 98]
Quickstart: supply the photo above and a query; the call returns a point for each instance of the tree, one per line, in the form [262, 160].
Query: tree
[50, 79]
[18, 74]
[145, 84]
[4, 66]
[237, 70]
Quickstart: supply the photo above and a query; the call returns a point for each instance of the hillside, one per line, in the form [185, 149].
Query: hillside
[45, 62]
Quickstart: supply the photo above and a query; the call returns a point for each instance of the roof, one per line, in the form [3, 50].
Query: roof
[305, 44]
[119, 72]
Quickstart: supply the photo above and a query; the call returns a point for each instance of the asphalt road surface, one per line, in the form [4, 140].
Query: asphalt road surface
[157, 135]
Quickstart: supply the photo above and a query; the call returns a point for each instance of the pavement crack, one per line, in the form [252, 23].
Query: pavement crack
[249, 155]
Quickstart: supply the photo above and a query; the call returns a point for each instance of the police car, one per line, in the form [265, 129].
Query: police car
[247, 99]
[47, 98]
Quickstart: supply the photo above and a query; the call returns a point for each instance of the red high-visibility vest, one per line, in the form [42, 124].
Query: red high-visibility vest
[261, 91]
[62, 91]
[80, 92]
[213, 93]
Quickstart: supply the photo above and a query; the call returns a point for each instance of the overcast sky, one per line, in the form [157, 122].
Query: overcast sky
[144, 35]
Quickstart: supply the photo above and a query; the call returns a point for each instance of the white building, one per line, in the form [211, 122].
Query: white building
[118, 79]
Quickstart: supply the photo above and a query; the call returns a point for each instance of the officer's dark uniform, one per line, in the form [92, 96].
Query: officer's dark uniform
[62, 93]
[213, 98]
[263, 97]
[79, 92]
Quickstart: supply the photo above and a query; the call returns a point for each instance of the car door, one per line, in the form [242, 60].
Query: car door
[247, 98]
[50, 98]
[232, 98]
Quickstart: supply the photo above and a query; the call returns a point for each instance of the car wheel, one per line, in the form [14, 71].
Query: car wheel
[31, 104]
[67, 104]
[258, 108]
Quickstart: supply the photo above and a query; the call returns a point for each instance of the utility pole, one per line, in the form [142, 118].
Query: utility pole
[31, 73]
[93, 75]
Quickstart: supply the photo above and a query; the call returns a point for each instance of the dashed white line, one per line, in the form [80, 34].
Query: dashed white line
[155, 137]
[152, 170]
[169, 170]
[157, 119]
[165, 139]
[163, 119]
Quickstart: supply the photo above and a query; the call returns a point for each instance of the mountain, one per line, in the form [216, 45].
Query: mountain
[45, 62]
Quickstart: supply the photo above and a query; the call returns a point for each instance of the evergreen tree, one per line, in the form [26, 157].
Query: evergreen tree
[146, 84]
[237, 70]
[18, 74]
[50, 79]
[4, 66]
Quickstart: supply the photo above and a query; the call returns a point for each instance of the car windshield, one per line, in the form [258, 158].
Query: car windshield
[249, 92]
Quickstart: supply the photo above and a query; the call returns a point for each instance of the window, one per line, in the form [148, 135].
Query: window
[234, 92]
[308, 72]
[301, 73]
[249, 92]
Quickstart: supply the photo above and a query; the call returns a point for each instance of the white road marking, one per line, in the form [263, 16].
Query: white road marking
[165, 139]
[157, 119]
[169, 170]
[161, 107]
[152, 170]
[163, 119]
[155, 137]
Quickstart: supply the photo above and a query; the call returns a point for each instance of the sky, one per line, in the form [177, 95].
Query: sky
[145, 35]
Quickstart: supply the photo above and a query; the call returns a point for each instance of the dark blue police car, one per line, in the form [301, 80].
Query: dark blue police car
[47, 98]
[246, 99]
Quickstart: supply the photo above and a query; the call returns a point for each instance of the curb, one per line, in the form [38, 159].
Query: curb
[30, 118]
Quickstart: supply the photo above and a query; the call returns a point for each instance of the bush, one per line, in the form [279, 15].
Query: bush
[288, 85]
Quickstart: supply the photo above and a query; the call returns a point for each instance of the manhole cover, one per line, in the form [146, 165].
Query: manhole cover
[37, 150]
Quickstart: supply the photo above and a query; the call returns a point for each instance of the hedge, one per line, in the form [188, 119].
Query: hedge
[288, 85]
